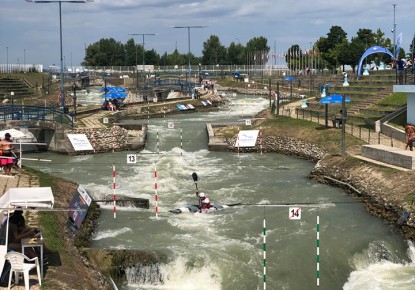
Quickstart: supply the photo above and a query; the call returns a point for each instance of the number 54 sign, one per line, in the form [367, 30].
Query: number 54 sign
[294, 213]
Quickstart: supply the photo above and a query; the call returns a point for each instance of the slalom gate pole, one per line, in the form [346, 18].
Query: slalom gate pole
[264, 234]
[113, 139]
[155, 190]
[237, 140]
[94, 143]
[114, 198]
[260, 139]
[181, 141]
[318, 252]
[157, 143]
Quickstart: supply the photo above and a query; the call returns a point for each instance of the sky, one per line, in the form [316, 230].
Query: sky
[29, 32]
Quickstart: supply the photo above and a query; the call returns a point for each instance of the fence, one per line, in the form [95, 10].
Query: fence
[367, 135]
[33, 113]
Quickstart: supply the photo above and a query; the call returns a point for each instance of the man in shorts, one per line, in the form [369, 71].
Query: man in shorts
[409, 136]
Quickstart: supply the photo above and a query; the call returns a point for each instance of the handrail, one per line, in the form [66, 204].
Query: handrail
[33, 113]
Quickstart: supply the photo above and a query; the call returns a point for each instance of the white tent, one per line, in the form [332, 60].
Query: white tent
[16, 134]
[27, 198]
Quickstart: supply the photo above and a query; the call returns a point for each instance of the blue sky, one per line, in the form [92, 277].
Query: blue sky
[30, 32]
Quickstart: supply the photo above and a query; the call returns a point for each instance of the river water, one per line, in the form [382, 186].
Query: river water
[225, 249]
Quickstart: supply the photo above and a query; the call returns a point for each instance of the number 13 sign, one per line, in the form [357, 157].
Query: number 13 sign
[131, 158]
[294, 213]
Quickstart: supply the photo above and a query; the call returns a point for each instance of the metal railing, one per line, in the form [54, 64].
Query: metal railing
[367, 135]
[34, 113]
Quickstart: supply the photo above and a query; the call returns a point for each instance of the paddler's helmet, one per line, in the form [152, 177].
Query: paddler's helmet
[202, 195]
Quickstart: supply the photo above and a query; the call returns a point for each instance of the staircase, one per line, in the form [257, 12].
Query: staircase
[19, 87]
[364, 93]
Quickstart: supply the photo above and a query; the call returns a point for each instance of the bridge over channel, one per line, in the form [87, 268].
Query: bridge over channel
[172, 82]
[48, 125]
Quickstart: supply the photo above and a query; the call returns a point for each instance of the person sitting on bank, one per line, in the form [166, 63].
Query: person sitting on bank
[204, 202]
[19, 231]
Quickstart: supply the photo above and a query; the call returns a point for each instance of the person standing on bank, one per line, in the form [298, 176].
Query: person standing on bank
[6, 148]
[400, 65]
[409, 136]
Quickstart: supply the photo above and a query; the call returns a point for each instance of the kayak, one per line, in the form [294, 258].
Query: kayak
[195, 208]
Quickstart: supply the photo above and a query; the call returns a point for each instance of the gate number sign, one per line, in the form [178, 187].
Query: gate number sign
[294, 213]
[131, 158]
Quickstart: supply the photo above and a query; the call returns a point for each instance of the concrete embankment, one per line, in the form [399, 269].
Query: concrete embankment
[381, 190]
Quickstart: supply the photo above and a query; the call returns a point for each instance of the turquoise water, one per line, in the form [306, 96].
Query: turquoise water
[224, 250]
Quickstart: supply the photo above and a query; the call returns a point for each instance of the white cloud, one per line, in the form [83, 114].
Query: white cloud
[35, 27]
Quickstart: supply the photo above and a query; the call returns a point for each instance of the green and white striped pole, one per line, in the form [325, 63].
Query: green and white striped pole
[318, 251]
[265, 255]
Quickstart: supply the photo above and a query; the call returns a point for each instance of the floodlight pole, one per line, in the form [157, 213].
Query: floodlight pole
[394, 44]
[343, 118]
[188, 41]
[144, 63]
[62, 88]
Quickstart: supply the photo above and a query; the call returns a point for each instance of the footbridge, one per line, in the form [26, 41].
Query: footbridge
[172, 82]
[48, 125]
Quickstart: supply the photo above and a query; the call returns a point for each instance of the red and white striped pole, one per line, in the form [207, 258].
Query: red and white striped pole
[260, 139]
[113, 190]
[155, 190]
[113, 139]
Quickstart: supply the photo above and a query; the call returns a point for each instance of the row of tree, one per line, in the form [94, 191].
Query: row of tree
[335, 49]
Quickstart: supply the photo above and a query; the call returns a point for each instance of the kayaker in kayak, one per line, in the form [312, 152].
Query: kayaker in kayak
[204, 202]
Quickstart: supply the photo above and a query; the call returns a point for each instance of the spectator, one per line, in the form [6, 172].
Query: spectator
[400, 66]
[6, 148]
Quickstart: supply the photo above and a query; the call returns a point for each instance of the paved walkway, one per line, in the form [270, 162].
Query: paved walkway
[368, 136]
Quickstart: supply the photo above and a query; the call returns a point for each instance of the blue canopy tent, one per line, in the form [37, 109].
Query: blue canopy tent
[115, 95]
[369, 51]
[112, 89]
[289, 78]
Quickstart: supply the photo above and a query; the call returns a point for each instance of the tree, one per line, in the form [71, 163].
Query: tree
[152, 57]
[105, 52]
[257, 50]
[327, 46]
[293, 56]
[213, 51]
[131, 52]
[257, 44]
[411, 49]
[236, 54]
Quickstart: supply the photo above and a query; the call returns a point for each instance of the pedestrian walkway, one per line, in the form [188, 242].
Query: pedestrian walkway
[371, 137]
[94, 121]
[293, 110]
